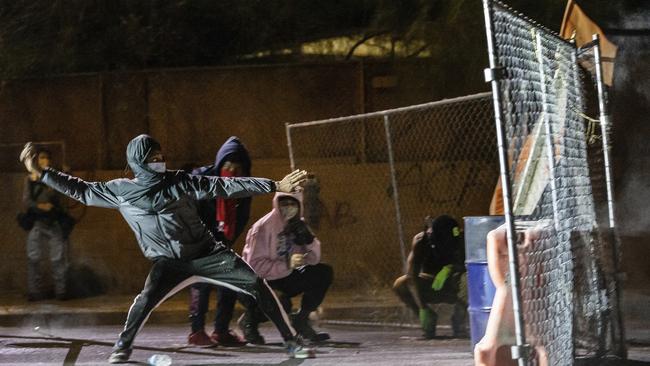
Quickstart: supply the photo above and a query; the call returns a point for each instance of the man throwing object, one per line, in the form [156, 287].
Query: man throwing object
[160, 207]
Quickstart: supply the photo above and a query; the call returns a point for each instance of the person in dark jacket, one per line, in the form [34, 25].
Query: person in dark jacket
[44, 205]
[226, 220]
[435, 274]
[160, 206]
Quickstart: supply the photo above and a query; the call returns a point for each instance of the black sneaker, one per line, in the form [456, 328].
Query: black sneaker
[305, 330]
[120, 355]
[295, 349]
[249, 329]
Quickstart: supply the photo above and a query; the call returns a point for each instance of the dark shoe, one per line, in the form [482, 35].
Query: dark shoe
[295, 349]
[201, 339]
[120, 355]
[249, 328]
[461, 335]
[228, 339]
[459, 321]
[304, 329]
[428, 335]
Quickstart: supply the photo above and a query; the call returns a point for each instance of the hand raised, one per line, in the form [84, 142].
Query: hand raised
[291, 181]
[29, 157]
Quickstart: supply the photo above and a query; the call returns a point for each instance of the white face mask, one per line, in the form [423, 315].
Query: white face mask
[289, 212]
[158, 167]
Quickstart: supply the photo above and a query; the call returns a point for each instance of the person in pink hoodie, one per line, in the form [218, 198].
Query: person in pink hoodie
[282, 249]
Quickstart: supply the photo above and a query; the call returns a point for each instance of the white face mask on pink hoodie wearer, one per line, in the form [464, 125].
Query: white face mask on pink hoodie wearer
[290, 211]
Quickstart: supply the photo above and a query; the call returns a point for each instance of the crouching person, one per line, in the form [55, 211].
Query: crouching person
[282, 249]
[436, 274]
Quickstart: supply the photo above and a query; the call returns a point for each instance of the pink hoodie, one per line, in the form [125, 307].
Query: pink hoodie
[261, 246]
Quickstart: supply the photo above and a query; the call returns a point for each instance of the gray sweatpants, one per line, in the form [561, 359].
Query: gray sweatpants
[44, 235]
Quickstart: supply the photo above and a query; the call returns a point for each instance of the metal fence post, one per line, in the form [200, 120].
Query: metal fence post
[287, 129]
[604, 126]
[519, 351]
[393, 177]
[619, 334]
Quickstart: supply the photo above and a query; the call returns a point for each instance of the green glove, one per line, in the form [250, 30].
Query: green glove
[441, 278]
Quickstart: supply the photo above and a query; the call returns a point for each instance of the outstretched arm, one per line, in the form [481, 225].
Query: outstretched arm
[206, 187]
[88, 193]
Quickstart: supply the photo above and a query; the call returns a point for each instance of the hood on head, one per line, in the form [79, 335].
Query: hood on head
[444, 229]
[233, 150]
[136, 155]
[297, 196]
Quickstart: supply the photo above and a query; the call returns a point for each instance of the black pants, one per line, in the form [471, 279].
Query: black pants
[453, 292]
[199, 301]
[311, 281]
[222, 268]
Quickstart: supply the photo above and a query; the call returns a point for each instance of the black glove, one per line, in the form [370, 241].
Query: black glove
[300, 230]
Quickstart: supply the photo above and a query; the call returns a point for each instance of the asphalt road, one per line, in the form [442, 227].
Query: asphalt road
[351, 345]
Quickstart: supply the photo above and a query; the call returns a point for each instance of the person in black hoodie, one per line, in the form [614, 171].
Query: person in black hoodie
[435, 274]
[160, 206]
[226, 220]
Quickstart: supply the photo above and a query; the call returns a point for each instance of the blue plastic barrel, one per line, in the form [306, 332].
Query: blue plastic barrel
[480, 289]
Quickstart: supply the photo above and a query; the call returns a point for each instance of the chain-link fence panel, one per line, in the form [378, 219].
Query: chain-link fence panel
[378, 176]
[599, 152]
[445, 160]
[541, 102]
[353, 214]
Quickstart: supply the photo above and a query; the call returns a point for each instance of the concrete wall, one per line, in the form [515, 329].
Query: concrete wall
[192, 111]
[358, 229]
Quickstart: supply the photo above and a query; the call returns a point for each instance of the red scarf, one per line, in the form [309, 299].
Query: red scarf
[227, 211]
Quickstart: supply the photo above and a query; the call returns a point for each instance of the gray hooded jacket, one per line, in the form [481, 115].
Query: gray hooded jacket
[160, 208]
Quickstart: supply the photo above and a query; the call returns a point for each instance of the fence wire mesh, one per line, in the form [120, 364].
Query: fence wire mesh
[380, 174]
[565, 303]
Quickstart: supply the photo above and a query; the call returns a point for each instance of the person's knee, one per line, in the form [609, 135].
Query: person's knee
[57, 256]
[256, 288]
[482, 354]
[327, 273]
[400, 285]
[33, 252]
[33, 258]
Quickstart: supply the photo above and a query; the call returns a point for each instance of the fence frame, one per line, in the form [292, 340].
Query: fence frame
[605, 125]
[493, 74]
[385, 115]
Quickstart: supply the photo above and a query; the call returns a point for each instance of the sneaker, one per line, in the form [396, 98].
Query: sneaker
[249, 328]
[296, 350]
[120, 355]
[228, 339]
[201, 339]
[305, 330]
